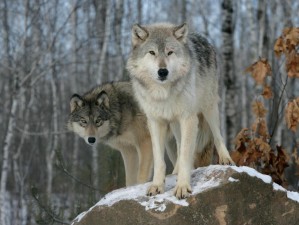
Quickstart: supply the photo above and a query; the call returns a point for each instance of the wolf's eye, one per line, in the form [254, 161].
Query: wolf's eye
[152, 52]
[83, 122]
[99, 122]
[170, 53]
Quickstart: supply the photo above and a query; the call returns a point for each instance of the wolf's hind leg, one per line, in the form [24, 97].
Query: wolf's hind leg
[171, 149]
[145, 155]
[205, 144]
[176, 130]
[211, 114]
[130, 157]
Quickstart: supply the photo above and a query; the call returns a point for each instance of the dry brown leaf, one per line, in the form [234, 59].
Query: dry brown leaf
[295, 156]
[259, 70]
[291, 37]
[267, 92]
[279, 47]
[259, 109]
[260, 127]
[242, 137]
[292, 114]
[292, 64]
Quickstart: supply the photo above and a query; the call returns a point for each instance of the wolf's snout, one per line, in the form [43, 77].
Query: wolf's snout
[162, 74]
[91, 140]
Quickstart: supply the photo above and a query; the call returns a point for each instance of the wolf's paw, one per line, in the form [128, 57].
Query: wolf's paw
[155, 189]
[226, 160]
[182, 191]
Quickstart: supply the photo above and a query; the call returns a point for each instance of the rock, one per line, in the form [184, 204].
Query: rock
[224, 195]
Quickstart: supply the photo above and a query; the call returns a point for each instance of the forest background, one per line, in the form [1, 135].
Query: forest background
[52, 49]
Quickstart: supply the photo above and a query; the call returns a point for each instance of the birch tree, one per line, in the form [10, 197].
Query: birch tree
[6, 160]
[228, 70]
[102, 76]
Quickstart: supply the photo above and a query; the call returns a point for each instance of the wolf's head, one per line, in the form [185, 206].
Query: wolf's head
[160, 52]
[89, 118]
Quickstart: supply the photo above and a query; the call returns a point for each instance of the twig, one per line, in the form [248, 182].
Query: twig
[277, 117]
[45, 209]
[30, 133]
[61, 166]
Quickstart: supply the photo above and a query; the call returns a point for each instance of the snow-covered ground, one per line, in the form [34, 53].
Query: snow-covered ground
[202, 179]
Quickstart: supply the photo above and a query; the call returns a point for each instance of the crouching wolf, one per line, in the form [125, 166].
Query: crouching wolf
[174, 78]
[110, 114]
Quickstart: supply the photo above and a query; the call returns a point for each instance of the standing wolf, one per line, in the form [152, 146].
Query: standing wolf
[175, 82]
[110, 114]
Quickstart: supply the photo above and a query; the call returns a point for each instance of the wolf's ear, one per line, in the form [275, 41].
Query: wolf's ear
[139, 34]
[181, 32]
[103, 98]
[76, 102]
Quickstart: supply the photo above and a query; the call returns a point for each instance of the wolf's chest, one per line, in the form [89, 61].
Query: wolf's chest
[170, 109]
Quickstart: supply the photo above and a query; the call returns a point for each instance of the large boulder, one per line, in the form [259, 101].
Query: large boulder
[221, 195]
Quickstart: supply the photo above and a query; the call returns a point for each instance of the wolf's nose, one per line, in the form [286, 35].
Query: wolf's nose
[162, 73]
[91, 140]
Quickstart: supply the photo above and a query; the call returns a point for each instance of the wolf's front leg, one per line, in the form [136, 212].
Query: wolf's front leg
[158, 131]
[189, 130]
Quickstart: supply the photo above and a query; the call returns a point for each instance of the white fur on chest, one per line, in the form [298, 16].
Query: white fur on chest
[166, 102]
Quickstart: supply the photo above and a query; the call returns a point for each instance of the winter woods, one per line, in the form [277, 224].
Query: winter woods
[52, 49]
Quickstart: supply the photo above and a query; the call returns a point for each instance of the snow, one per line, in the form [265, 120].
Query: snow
[277, 187]
[253, 173]
[267, 179]
[231, 179]
[290, 194]
[202, 179]
[293, 195]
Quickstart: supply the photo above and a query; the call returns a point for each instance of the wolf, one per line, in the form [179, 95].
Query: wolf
[110, 114]
[174, 77]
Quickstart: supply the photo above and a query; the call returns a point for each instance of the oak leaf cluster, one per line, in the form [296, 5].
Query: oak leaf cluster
[252, 148]
[252, 145]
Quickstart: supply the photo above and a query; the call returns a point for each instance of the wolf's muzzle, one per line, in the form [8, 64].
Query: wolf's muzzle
[162, 74]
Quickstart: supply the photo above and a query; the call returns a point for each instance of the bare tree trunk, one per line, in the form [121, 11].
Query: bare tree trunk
[246, 103]
[139, 7]
[101, 77]
[287, 11]
[228, 71]
[184, 11]
[205, 20]
[118, 37]
[261, 21]
[6, 160]
[54, 145]
[10, 127]
[74, 87]
[20, 174]
[52, 148]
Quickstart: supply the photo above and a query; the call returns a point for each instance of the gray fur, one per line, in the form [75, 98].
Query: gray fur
[120, 102]
[110, 114]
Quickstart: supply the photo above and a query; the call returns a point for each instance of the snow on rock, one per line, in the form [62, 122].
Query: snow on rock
[253, 173]
[267, 179]
[202, 179]
[231, 179]
[290, 194]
